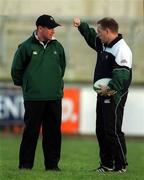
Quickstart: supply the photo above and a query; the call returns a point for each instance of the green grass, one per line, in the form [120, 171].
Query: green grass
[79, 157]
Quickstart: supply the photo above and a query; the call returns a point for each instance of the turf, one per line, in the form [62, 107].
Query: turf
[79, 158]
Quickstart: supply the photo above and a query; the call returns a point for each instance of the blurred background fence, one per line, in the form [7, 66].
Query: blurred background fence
[17, 22]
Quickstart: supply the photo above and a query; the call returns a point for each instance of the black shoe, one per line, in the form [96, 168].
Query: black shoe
[120, 169]
[55, 168]
[103, 169]
[123, 170]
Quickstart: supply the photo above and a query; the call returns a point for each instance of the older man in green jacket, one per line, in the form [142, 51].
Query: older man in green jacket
[38, 67]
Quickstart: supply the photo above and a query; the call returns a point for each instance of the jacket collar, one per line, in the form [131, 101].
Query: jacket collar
[43, 44]
[114, 41]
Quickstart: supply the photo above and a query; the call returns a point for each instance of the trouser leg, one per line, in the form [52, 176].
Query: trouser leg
[120, 158]
[32, 120]
[104, 148]
[51, 129]
[113, 117]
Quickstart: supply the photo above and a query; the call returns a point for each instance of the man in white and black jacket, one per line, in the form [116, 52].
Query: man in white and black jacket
[114, 60]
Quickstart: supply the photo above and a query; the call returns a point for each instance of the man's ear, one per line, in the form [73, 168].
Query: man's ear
[107, 30]
[39, 28]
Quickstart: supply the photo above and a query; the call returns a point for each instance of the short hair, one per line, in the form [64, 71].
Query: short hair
[109, 23]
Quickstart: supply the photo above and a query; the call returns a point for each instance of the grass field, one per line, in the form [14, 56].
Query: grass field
[79, 157]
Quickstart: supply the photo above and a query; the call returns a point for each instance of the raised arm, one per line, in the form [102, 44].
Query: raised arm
[88, 33]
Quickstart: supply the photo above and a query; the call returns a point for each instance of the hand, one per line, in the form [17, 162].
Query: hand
[76, 22]
[106, 91]
[111, 92]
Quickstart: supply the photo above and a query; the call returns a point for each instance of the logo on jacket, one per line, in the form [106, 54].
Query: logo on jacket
[35, 52]
[55, 52]
[107, 101]
[124, 61]
[106, 56]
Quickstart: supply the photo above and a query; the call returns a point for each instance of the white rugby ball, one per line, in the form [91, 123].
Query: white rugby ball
[103, 82]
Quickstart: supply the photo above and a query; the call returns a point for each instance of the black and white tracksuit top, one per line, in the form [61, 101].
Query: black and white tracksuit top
[114, 60]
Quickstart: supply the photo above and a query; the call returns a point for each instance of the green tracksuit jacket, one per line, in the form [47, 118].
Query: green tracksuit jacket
[39, 69]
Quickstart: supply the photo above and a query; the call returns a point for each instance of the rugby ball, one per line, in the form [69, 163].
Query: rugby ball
[102, 82]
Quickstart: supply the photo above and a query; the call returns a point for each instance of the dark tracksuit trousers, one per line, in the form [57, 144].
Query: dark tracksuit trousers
[109, 132]
[45, 114]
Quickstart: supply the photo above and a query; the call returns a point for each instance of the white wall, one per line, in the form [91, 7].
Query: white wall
[133, 123]
[134, 113]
